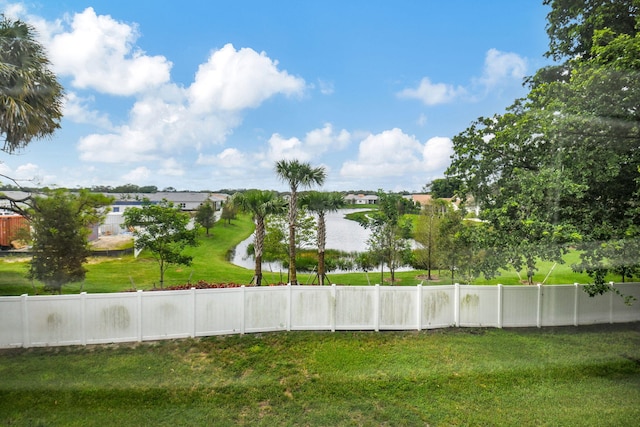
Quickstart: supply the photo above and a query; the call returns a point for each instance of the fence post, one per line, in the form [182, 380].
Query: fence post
[456, 305]
[139, 302]
[611, 284]
[333, 307]
[193, 312]
[25, 321]
[376, 307]
[499, 305]
[539, 309]
[289, 307]
[83, 317]
[575, 305]
[419, 306]
[242, 309]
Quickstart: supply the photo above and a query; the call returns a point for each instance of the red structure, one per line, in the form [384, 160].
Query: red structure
[9, 227]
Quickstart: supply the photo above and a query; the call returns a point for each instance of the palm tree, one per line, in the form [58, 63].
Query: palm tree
[260, 204]
[320, 203]
[30, 95]
[297, 174]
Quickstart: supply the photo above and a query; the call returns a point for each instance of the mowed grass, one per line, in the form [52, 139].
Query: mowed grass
[210, 264]
[528, 377]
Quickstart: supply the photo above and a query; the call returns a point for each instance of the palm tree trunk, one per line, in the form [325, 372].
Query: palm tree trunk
[258, 248]
[293, 216]
[322, 237]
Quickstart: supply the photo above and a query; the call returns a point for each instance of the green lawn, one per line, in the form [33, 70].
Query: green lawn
[210, 264]
[528, 377]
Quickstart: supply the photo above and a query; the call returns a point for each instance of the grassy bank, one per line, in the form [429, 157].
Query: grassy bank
[560, 377]
[210, 264]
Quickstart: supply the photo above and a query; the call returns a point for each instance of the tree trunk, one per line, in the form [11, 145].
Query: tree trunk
[258, 248]
[322, 236]
[293, 216]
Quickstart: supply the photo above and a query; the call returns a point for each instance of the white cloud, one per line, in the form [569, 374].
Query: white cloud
[78, 109]
[315, 143]
[433, 93]
[437, 154]
[171, 167]
[394, 153]
[501, 66]
[238, 79]
[139, 175]
[326, 87]
[99, 53]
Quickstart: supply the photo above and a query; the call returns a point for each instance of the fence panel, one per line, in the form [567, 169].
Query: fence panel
[219, 311]
[437, 309]
[11, 321]
[356, 308]
[479, 306]
[167, 314]
[558, 305]
[266, 309]
[595, 309]
[111, 318]
[54, 320]
[398, 308]
[626, 312]
[312, 307]
[519, 306]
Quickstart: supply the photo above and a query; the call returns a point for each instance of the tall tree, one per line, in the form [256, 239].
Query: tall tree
[298, 175]
[30, 95]
[164, 230]
[427, 235]
[259, 204]
[61, 223]
[561, 164]
[206, 215]
[321, 203]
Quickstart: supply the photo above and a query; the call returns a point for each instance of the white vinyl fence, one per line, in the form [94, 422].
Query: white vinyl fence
[27, 321]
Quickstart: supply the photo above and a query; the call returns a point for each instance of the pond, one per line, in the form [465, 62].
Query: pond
[342, 234]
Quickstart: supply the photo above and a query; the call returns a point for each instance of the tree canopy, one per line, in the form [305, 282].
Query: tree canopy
[61, 223]
[560, 166]
[30, 95]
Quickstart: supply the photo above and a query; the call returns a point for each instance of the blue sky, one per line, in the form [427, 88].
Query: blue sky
[202, 95]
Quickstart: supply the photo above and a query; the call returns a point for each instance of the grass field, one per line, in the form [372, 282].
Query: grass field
[210, 264]
[588, 376]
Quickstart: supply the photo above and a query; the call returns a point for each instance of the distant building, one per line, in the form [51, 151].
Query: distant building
[361, 199]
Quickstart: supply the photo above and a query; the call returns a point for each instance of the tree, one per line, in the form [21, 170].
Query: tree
[390, 233]
[297, 175]
[206, 215]
[259, 204]
[427, 235]
[560, 166]
[229, 212]
[30, 96]
[61, 223]
[320, 203]
[444, 188]
[164, 231]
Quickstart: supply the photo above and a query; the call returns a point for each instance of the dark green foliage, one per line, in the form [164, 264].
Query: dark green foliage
[206, 215]
[61, 222]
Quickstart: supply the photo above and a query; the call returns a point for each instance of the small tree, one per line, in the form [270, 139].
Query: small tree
[60, 221]
[229, 212]
[164, 231]
[321, 203]
[297, 175]
[259, 204]
[389, 241]
[206, 215]
[427, 235]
